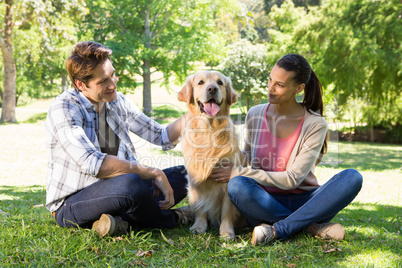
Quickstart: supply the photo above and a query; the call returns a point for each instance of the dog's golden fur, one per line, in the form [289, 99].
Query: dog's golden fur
[207, 140]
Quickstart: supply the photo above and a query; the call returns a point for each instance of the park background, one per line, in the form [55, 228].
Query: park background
[353, 46]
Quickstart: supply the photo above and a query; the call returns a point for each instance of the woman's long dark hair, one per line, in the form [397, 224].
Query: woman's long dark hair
[312, 91]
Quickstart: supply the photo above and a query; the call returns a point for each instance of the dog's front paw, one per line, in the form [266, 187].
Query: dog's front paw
[228, 235]
[199, 228]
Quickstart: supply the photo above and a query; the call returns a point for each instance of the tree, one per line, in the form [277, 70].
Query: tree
[156, 36]
[353, 46]
[248, 67]
[361, 56]
[22, 15]
[268, 4]
[10, 72]
[258, 19]
[40, 65]
[285, 20]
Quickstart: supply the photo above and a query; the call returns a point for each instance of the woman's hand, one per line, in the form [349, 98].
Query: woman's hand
[222, 172]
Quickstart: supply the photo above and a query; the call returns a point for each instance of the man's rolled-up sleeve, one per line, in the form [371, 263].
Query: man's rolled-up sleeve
[167, 144]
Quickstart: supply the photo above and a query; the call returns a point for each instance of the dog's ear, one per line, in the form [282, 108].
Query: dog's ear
[186, 93]
[231, 96]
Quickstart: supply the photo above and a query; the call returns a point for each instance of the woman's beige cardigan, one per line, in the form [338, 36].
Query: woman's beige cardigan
[300, 167]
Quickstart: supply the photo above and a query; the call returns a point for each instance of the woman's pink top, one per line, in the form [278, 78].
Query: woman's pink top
[273, 153]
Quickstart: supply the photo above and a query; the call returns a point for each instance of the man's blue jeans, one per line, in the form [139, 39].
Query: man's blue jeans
[126, 196]
[290, 213]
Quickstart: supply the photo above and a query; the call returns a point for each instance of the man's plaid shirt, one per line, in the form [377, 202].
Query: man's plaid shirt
[74, 153]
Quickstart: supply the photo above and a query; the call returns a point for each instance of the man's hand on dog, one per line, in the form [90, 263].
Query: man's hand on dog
[222, 172]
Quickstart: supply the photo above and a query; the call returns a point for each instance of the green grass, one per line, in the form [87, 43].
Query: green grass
[364, 156]
[30, 237]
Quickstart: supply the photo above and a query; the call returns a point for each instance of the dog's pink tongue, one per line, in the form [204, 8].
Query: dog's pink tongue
[211, 108]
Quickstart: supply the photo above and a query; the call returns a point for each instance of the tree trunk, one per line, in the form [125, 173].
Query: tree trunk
[10, 72]
[146, 90]
[372, 138]
[64, 82]
[247, 103]
[146, 68]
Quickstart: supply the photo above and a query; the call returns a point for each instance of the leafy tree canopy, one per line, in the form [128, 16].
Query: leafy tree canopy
[248, 67]
[268, 4]
[181, 32]
[356, 47]
[156, 36]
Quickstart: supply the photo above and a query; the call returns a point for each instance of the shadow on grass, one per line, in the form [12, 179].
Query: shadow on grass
[27, 203]
[165, 114]
[372, 233]
[373, 226]
[35, 118]
[25, 194]
[372, 229]
[238, 118]
[364, 156]
[169, 153]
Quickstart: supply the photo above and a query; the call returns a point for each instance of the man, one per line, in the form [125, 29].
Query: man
[93, 176]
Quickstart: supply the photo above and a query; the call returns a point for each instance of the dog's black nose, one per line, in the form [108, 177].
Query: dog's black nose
[212, 89]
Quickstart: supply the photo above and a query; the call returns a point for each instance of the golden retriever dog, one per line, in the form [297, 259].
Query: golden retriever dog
[209, 137]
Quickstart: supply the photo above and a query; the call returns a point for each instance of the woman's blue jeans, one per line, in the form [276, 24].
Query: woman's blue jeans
[126, 196]
[290, 213]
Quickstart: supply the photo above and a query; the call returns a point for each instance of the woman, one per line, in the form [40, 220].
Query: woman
[280, 195]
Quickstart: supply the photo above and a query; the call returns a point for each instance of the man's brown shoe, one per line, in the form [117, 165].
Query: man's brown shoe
[327, 230]
[109, 225]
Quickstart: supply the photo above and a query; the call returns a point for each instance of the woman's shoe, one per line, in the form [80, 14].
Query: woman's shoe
[263, 233]
[327, 230]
